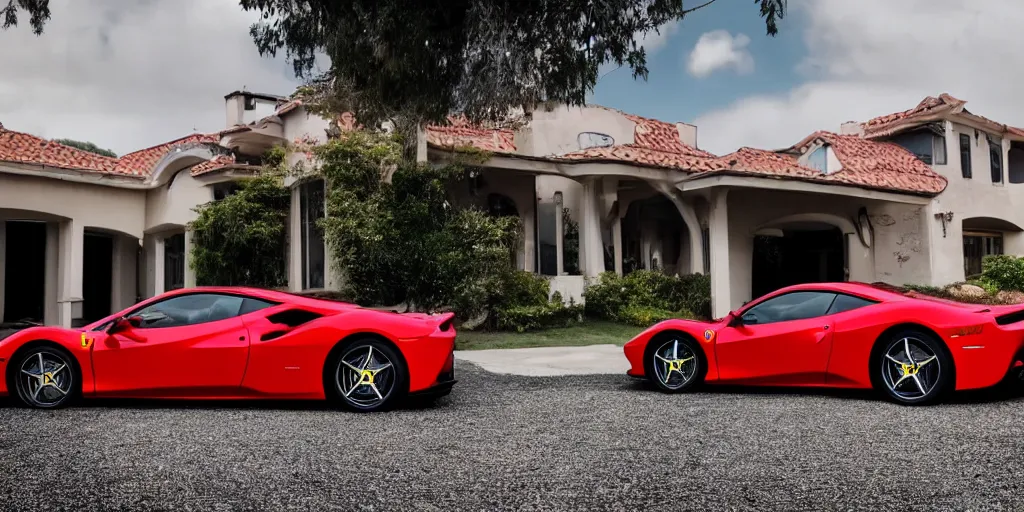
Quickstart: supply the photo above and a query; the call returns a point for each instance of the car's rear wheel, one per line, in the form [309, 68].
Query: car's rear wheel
[367, 375]
[914, 368]
[674, 363]
[44, 377]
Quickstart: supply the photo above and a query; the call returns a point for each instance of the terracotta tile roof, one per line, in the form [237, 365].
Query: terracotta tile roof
[220, 162]
[141, 163]
[23, 148]
[644, 156]
[460, 133]
[655, 144]
[865, 163]
[887, 124]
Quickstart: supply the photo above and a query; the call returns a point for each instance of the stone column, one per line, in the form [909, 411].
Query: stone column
[617, 242]
[158, 265]
[69, 271]
[718, 223]
[51, 308]
[190, 274]
[295, 242]
[590, 230]
[559, 236]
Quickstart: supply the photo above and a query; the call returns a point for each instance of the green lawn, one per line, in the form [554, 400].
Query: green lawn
[586, 333]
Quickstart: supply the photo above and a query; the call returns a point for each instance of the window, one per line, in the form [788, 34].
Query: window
[196, 308]
[819, 159]
[790, 306]
[222, 190]
[939, 149]
[965, 155]
[174, 262]
[977, 245]
[995, 152]
[311, 210]
[844, 303]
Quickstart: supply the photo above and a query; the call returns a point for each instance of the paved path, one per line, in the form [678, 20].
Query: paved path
[550, 361]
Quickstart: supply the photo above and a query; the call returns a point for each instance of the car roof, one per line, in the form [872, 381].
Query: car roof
[257, 293]
[874, 291]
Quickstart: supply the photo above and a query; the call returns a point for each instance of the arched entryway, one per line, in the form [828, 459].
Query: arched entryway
[654, 237]
[796, 251]
[986, 236]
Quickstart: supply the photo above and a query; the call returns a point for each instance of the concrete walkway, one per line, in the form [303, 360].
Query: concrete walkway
[549, 361]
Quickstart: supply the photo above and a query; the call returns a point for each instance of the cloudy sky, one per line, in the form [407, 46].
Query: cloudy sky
[126, 75]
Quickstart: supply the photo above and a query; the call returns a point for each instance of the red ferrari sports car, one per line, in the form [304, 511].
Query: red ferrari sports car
[844, 335]
[235, 343]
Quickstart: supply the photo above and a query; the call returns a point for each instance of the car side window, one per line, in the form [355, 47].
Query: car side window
[845, 303]
[250, 305]
[790, 306]
[190, 309]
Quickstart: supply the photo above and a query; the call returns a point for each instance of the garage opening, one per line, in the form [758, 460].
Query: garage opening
[97, 268]
[25, 271]
[799, 253]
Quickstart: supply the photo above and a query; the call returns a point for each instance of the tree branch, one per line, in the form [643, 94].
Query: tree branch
[701, 6]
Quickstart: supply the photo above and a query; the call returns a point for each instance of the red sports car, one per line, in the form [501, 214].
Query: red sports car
[235, 343]
[843, 335]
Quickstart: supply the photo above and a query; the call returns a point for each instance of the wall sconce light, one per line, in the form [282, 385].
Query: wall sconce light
[944, 218]
[558, 198]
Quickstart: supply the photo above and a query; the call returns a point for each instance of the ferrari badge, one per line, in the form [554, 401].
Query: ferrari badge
[709, 335]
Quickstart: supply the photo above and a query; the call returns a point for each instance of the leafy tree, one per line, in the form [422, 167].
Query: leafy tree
[424, 60]
[38, 12]
[86, 146]
[396, 237]
[241, 240]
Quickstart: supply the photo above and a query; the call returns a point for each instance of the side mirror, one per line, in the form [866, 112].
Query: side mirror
[124, 324]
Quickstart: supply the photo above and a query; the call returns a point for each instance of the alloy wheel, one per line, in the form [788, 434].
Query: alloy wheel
[674, 364]
[365, 377]
[45, 379]
[910, 369]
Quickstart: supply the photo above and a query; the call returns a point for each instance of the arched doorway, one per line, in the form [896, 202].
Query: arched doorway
[654, 237]
[804, 251]
[985, 236]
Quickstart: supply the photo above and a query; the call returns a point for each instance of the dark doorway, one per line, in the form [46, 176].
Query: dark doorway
[814, 255]
[25, 271]
[97, 267]
[174, 262]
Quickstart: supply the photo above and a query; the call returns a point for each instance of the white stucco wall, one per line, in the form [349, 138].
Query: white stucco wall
[967, 198]
[173, 203]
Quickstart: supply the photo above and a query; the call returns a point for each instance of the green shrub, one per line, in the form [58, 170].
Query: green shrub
[519, 302]
[1003, 272]
[648, 290]
[643, 316]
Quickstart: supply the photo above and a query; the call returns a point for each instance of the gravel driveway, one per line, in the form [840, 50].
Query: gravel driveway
[521, 443]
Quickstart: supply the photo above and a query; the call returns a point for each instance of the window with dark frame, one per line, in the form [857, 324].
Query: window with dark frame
[311, 206]
[995, 153]
[965, 155]
[939, 150]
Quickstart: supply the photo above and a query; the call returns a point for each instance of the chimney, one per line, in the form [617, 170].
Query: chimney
[244, 107]
[687, 134]
[851, 128]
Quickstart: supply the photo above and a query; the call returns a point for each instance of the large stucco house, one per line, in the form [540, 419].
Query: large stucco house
[912, 197]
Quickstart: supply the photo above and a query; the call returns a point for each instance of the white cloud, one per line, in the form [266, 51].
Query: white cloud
[718, 50]
[874, 57]
[127, 75]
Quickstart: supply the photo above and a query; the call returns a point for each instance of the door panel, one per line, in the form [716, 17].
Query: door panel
[205, 358]
[782, 353]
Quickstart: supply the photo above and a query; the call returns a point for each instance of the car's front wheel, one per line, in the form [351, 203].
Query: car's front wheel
[367, 375]
[44, 377]
[914, 368]
[674, 363]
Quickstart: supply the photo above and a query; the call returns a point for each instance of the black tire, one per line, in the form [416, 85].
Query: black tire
[44, 376]
[683, 372]
[362, 383]
[901, 379]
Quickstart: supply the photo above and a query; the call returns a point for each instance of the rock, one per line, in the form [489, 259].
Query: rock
[966, 290]
[1010, 297]
[476, 321]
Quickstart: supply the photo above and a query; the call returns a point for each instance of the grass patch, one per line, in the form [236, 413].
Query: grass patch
[590, 332]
